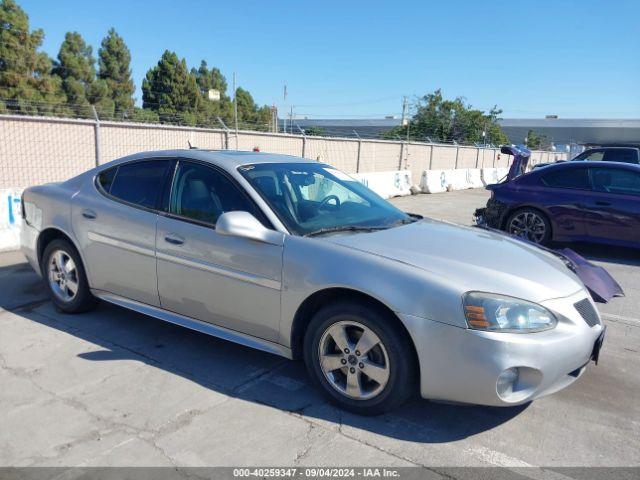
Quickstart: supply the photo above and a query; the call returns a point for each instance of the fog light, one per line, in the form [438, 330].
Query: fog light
[507, 381]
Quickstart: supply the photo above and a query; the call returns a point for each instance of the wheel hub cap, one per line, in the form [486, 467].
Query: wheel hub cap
[63, 276]
[361, 375]
[528, 225]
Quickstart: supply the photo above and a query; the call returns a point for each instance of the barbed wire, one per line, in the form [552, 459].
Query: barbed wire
[209, 120]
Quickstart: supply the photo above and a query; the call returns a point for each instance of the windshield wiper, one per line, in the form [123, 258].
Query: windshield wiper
[344, 228]
[359, 228]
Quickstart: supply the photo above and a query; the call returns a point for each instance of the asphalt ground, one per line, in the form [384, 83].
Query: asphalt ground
[116, 388]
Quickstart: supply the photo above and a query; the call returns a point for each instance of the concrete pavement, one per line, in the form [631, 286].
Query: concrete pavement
[113, 387]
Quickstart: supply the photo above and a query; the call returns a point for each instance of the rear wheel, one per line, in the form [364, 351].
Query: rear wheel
[530, 224]
[65, 278]
[359, 358]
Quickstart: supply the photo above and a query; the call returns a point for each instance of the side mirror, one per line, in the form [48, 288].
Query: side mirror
[245, 225]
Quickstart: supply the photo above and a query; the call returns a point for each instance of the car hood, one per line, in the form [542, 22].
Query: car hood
[470, 259]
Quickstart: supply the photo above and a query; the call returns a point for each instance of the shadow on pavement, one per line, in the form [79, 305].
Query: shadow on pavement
[238, 371]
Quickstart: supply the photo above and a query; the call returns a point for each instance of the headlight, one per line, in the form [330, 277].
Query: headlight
[493, 312]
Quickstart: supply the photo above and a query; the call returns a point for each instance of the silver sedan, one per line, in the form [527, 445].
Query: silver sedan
[296, 258]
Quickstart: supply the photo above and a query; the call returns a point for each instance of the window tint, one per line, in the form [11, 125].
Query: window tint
[567, 178]
[139, 183]
[591, 156]
[612, 180]
[201, 193]
[311, 197]
[625, 155]
[105, 179]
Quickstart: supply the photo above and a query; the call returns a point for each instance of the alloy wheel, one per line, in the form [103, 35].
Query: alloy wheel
[528, 225]
[354, 360]
[63, 276]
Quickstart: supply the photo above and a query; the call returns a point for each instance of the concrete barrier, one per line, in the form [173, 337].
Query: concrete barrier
[10, 218]
[493, 175]
[474, 178]
[395, 183]
[435, 181]
[459, 179]
[502, 173]
[489, 176]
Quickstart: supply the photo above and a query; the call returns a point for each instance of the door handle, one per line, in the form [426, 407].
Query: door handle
[174, 239]
[89, 214]
[603, 203]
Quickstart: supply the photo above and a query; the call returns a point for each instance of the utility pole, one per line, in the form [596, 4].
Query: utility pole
[284, 106]
[235, 106]
[291, 118]
[405, 123]
[404, 111]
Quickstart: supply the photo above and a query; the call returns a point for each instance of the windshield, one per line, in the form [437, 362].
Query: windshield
[314, 198]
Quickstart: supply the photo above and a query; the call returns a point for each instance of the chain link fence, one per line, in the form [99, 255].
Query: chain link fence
[35, 150]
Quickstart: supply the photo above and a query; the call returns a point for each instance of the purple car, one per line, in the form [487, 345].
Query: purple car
[571, 201]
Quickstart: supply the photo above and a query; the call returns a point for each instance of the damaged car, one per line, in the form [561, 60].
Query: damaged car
[567, 202]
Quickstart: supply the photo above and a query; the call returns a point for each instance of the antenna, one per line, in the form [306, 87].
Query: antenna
[191, 147]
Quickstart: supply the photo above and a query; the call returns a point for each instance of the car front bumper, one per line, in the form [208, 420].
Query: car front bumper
[463, 365]
[29, 245]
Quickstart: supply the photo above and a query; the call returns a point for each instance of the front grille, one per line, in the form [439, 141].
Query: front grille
[587, 312]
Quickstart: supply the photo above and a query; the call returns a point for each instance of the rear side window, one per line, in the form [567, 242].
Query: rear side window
[625, 155]
[612, 180]
[139, 183]
[105, 179]
[591, 155]
[567, 178]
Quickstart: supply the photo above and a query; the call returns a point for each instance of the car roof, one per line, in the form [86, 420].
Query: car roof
[587, 164]
[228, 159]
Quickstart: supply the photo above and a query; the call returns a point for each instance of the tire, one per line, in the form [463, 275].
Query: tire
[63, 272]
[391, 361]
[528, 222]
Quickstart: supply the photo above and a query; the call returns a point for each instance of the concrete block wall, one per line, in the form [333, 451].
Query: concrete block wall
[35, 150]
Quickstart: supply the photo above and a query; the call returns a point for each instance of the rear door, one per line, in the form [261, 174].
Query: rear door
[613, 208]
[114, 220]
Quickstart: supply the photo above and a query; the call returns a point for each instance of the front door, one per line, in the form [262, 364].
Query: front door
[228, 281]
[563, 193]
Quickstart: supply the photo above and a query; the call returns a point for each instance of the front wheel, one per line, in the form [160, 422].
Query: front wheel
[65, 278]
[360, 358]
[530, 224]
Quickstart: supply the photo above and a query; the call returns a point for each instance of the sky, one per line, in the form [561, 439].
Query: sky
[344, 59]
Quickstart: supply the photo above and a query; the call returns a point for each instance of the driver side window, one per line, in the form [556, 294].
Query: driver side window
[202, 194]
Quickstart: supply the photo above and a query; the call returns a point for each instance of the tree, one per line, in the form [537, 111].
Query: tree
[26, 83]
[144, 115]
[115, 70]
[450, 120]
[535, 141]
[169, 89]
[209, 79]
[314, 130]
[249, 113]
[76, 67]
[209, 110]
